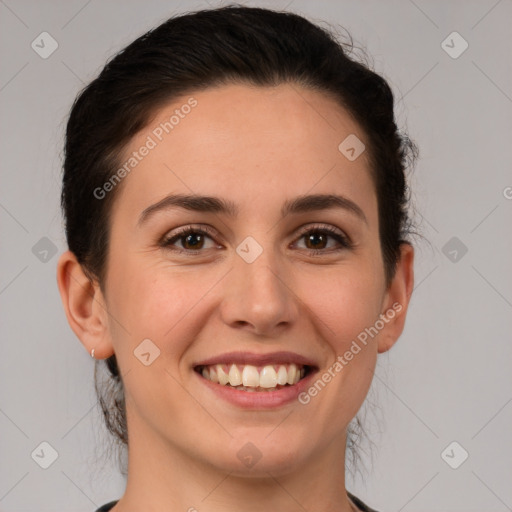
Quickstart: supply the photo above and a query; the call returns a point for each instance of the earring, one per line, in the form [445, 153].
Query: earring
[92, 353]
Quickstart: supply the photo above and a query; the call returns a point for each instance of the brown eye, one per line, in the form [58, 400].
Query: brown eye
[191, 240]
[317, 240]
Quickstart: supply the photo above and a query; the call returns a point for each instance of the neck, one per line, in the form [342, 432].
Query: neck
[161, 476]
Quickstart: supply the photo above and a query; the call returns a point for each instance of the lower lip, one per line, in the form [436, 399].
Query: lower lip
[258, 399]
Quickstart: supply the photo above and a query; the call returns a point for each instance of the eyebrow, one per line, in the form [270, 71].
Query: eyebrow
[211, 204]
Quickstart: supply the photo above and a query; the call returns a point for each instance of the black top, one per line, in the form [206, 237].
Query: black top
[357, 501]
[107, 507]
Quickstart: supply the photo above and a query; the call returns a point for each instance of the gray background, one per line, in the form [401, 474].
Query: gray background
[449, 376]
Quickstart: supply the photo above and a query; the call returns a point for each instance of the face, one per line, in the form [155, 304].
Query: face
[246, 286]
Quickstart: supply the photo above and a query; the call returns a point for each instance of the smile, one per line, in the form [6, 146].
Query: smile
[246, 377]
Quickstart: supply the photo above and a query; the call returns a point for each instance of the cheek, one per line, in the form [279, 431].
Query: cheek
[344, 302]
[162, 303]
[343, 309]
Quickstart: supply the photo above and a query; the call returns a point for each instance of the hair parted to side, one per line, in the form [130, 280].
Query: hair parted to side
[195, 51]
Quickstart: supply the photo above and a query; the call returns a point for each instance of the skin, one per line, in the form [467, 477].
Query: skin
[257, 147]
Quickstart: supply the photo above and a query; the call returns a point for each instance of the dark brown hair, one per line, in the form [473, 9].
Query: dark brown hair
[194, 51]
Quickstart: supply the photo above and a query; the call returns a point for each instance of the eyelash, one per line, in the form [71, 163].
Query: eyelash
[343, 240]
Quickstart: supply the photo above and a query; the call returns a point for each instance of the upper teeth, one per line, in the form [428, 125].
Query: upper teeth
[247, 375]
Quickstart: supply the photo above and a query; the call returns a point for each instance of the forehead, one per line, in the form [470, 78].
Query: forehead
[249, 143]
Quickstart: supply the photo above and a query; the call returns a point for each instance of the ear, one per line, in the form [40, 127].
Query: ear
[396, 299]
[84, 305]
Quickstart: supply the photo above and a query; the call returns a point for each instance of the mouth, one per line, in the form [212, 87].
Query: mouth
[251, 378]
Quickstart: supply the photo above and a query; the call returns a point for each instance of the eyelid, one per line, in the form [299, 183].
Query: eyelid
[306, 228]
[181, 231]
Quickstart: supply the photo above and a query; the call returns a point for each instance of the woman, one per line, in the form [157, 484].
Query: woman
[236, 216]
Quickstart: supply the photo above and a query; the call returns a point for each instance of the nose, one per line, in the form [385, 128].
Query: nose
[259, 297]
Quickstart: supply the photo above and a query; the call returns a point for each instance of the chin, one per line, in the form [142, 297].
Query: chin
[260, 452]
